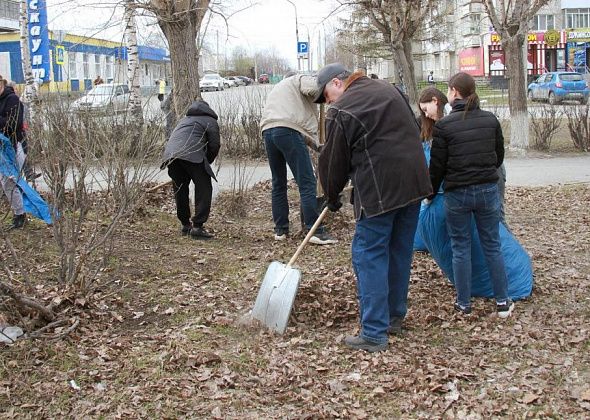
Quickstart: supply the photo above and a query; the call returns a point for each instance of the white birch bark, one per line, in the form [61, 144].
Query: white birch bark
[31, 87]
[134, 107]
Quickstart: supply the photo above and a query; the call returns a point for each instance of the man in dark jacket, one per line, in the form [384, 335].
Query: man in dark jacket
[11, 125]
[373, 140]
[192, 147]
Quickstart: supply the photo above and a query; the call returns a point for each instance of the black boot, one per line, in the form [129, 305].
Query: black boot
[198, 232]
[18, 221]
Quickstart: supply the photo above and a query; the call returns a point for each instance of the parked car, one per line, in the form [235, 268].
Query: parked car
[236, 80]
[263, 78]
[247, 81]
[106, 97]
[554, 87]
[227, 82]
[211, 81]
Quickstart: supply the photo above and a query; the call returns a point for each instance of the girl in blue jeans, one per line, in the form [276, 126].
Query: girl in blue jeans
[467, 150]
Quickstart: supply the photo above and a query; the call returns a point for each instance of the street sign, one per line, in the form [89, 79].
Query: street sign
[303, 50]
[60, 52]
[302, 47]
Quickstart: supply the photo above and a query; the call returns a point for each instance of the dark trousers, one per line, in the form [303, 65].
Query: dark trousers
[182, 173]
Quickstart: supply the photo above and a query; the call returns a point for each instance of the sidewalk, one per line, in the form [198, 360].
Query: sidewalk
[520, 172]
[540, 171]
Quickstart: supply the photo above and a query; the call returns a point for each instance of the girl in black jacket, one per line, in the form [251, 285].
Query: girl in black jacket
[467, 150]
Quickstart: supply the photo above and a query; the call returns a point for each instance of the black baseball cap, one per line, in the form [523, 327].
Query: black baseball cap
[326, 74]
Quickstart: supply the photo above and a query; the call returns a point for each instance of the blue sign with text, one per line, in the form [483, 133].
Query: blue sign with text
[302, 47]
[39, 39]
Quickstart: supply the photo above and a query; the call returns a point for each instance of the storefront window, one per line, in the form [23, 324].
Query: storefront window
[109, 73]
[97, 64]
[73, 74]
[86, 66]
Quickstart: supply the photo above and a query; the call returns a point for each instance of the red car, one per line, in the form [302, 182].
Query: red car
[263, 78]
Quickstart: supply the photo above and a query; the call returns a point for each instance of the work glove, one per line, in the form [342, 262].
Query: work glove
[334, 205]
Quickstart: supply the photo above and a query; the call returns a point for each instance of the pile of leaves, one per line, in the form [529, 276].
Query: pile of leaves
[165, 336]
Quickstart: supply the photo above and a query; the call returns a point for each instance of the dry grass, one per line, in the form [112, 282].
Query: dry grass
[160, 339]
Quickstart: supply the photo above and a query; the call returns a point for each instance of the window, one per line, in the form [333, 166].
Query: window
[474, 20]
[97, 64]
[86, 66]
[543, 23]
[72, 72]
[577, 18]
[109, 69]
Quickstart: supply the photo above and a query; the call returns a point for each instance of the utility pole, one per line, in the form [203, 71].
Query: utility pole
[296, 35]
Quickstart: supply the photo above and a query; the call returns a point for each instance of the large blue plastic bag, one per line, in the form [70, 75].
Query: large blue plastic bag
[419, 244]
[519, 270]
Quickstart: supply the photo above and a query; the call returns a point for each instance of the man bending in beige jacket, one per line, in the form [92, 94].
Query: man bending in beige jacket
[288, 119]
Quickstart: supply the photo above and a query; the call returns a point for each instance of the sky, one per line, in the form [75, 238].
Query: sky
[268, 24]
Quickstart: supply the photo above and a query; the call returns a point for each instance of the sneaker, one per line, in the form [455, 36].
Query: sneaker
[18, 221]
[200, 233]
[395, 325]
[359, 343]
[322, 239]
[464, 310]
[186, 230]
[281, 235]
[505, 308]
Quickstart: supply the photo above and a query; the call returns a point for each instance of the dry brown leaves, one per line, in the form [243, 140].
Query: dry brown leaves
[162, 340]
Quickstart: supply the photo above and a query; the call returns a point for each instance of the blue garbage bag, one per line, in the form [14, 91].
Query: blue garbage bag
[32, 201]
[419, 244]
[519, 270]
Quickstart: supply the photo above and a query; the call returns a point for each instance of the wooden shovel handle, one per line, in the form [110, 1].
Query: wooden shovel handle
[308, 237]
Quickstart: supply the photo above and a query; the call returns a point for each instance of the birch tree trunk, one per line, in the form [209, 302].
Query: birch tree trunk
[134, 107]
[31, 88]
[515, 49]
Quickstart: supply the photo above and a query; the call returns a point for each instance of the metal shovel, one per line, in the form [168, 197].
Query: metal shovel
[279, 287]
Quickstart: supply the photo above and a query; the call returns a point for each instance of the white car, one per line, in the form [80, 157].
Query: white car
[106, 97]
[237, 81]
[227, 82]
[211, 81]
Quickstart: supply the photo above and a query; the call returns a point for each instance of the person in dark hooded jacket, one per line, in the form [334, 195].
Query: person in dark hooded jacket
[189, 152]
[11, 125]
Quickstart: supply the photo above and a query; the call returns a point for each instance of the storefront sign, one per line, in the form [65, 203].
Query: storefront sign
[39, 39]
[532, 37]
[471, 61]
[551, 38]
[578, 35]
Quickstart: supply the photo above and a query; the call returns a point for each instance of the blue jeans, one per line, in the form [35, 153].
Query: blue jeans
[285, 146]
[382, 251]
[482, 201]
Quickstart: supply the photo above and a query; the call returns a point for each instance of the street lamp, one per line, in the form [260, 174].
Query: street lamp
[296, 35]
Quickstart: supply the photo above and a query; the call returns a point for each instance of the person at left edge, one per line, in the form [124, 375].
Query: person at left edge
[372, 138]
[189, 153]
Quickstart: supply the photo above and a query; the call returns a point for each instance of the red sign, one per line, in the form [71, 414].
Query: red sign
[471, 61]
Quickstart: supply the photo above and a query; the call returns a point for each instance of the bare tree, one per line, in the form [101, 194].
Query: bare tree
[399, 22]
[180, 22]
[510, 19]
[31, 90]
[134, 106]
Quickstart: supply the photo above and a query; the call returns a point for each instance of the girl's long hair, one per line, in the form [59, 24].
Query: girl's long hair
[427, 124]
[465, 85]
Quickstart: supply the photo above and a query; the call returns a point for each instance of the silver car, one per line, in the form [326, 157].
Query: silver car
[107, 98]
[211, 81]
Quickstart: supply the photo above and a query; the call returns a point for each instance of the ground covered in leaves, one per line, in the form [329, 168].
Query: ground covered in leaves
[164, 339]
